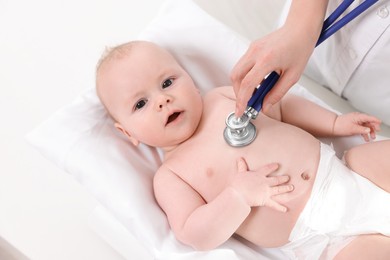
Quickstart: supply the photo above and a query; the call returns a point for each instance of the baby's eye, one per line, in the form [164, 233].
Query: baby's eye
[167, 83]
[140, 104]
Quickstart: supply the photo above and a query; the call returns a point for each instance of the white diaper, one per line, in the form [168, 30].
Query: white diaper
[342, 204]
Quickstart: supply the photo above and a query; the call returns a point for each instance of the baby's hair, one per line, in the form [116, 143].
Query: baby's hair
[112, 54]
[116, 52]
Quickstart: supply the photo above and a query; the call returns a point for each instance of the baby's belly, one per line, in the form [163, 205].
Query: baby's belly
[267, 227]
[296, 152]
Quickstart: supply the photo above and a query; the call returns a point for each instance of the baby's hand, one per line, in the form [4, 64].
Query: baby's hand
[257, 188]
[357, 123]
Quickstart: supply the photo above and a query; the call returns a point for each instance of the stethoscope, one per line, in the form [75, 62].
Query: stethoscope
[240, 131]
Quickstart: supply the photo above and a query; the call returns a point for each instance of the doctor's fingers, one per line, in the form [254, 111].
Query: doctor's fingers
[248, 85]
[244, 65]
[240, 70]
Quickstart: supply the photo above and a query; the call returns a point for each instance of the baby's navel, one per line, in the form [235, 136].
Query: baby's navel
[305, 176]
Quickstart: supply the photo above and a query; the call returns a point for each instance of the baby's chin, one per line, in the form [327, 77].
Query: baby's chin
[178, 140]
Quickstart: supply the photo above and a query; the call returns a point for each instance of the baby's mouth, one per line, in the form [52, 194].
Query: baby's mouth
[173, 117]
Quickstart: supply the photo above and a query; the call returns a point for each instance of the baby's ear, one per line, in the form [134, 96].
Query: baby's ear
[121, 129]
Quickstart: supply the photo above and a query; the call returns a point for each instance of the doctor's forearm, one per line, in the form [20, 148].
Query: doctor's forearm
[307, 16]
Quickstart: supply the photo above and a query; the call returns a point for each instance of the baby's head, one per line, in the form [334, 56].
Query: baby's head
[150, 96]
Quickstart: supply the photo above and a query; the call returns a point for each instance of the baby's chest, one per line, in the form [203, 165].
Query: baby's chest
[208, 171]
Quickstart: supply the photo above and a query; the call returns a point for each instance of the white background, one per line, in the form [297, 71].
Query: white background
[48, 52]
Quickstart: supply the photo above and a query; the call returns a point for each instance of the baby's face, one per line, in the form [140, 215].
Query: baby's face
[154, 100]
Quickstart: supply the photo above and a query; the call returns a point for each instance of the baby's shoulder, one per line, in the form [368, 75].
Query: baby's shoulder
[161, 172]
[166, 180]
[161, 177]
[166, 170]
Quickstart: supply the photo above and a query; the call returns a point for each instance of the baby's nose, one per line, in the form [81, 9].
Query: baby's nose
[163, 102]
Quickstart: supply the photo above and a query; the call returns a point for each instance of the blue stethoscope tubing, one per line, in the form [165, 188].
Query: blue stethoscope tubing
[328, 29]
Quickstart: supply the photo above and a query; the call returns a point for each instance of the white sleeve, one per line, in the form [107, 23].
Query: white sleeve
[354, 62]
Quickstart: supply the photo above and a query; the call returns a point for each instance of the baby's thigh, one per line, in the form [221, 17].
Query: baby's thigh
[366, 247]
[372, 161]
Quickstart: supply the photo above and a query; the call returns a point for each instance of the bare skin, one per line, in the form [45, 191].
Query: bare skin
[207, 187]
[366, 247]
[215, 169]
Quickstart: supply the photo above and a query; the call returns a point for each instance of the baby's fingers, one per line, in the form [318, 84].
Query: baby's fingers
[276, 206]
[242, 166]
[365, 137]
[277, 190]
[370, 119]
[374, 127]
[370, 130]
[277, 180]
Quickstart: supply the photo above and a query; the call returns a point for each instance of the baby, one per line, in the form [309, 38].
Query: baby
[308, 203]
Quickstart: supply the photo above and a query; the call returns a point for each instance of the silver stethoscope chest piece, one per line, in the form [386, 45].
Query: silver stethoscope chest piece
[239, 131]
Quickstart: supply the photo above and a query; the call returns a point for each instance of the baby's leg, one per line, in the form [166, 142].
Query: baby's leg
[366, 247]
[371, 160]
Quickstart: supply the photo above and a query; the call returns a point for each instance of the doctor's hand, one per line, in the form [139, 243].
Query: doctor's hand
[257, 188]
[285, 51]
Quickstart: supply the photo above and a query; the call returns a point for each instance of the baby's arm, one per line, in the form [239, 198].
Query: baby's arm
[320, 122]
[194, 222]
[205, 226]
